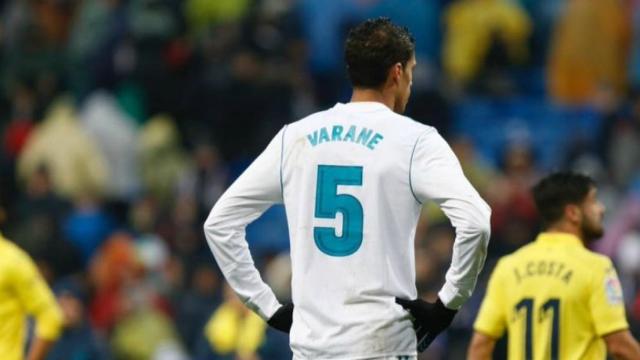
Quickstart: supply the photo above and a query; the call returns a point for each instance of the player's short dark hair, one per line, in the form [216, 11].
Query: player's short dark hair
[554, 192]
[372, 47]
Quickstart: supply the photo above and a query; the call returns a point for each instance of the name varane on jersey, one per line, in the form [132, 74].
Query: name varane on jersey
[365, 137]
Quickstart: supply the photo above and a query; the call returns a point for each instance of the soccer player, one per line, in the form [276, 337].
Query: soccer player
[23, 292]
[554, 297]
[353, 180]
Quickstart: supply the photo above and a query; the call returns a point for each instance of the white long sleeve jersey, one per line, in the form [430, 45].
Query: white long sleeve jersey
[353, 179]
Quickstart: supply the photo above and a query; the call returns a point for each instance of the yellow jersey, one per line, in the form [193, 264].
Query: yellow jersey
[555, 298]
[23, 292]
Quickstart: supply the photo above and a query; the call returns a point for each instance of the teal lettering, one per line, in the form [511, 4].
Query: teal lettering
[376, 139]
[313, 139]
[336, 134]
[364, 136]
[324, 136]
[351, 134]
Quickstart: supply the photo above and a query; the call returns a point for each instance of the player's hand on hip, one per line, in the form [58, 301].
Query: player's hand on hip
[430, 319]
[282, 318]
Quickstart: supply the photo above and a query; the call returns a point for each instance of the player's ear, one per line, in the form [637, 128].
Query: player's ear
[396, 72]
[573, 213]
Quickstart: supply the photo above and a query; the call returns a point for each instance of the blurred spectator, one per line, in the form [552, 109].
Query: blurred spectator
[99, 31]
[196, 304]
[112, 268]
[625, 219]
[510, 193]
[153, 254]
[475, 28]
[162, 158]
[78, 340]
[87, 225]
[130, 97]
[116, 135]
[623, 153]
[432, 259]
[143, 332]
[152, 20]
[15, 136]
[201, 14]
[181, 231]
[634, 63]
[39, 214]
[479, 173]
[589, 50]
[76, 165]
[627, 259]
[233, 332]
[206, 180]
[20, 125]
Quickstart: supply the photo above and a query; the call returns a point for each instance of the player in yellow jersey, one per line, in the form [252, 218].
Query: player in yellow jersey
[554, 297]
[23, 292]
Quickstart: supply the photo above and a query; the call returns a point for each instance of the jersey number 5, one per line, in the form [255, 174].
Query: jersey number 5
[329, 203]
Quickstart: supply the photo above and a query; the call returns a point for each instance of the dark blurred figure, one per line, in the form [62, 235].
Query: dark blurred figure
[37, 227]
[78, 341]
[197, 303]
[514, 216]
[206, 180]
[623, 151]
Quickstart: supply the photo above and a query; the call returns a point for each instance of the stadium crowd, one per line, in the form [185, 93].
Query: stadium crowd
[124, 120]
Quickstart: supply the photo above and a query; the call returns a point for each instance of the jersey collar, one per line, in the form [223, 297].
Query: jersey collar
[363, 105]
[553, 238]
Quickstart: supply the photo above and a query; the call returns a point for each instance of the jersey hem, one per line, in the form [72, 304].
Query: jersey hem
[488, 333]
[360, 357]
[612, 329]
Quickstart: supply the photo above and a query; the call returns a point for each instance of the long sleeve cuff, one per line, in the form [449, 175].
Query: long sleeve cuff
[265, 304]
[451, 296]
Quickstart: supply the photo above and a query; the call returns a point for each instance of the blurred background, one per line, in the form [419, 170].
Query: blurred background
[124, 120]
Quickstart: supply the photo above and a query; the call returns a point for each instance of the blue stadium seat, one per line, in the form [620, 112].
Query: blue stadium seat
[549, 129]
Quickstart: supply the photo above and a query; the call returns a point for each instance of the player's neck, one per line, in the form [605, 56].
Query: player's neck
[373, 95]
[567, 228]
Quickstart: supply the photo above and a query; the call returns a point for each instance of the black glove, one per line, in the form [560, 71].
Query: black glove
[429, 319]
[282, 318]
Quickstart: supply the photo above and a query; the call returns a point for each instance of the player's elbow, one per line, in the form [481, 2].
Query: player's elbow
[484, 229]
[486, 217]
[214, 228]
[621, 345]
[481, 347]
[480, 227]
